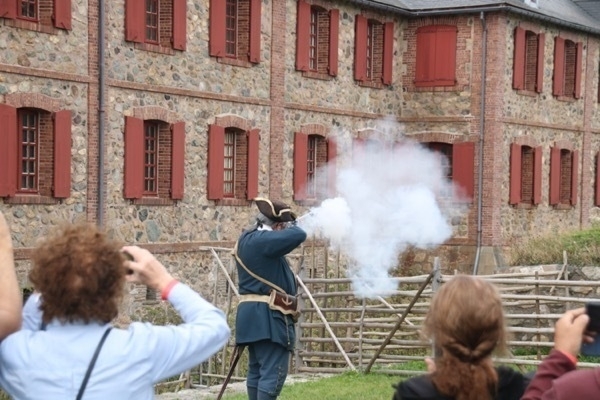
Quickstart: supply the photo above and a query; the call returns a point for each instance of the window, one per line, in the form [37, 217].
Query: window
[445, 150]
[38, 15]
[567, 68]
[436, 56]
[525, 174]
[373, 54]
[158, 25]
[235, 31]
[564, 170]
[154, 161]
[35, 155]
[311, 179]
[317, 36]
[460, 163]
[232, 163]
[528, 65]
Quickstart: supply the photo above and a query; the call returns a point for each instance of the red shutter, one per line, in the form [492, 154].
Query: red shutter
[253, 141]
[515, 174]
[537, 175]
[8, 150]
[597, 198]
[554, 176]
[179, 24]
[388, 53]
[331, 166]
[425, 59]
[255, 15]
[177, 160]
[574, 176]
[135, 11]
[445, 57]
[559, 66]
[360, 48]
[8, 9]
[217, 28]
[463, 166]
[62, 14]
[539, 85]
[216, 148]
[334, 39]
[300, 165]
[578, 68]
[519, 60]
[134, 158]
[62, 154]
[302, 36]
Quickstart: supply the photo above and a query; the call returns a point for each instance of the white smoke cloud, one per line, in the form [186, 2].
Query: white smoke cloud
[389, 199]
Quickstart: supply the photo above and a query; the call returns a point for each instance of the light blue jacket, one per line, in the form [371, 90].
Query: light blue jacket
[51, 364]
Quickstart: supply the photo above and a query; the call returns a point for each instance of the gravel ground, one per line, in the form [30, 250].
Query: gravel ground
[232, 388]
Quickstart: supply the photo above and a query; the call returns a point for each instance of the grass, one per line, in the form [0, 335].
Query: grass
[347, 386]
[582, 247]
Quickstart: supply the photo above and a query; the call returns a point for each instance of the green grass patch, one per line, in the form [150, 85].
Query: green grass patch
[347, 386]
[582, 247]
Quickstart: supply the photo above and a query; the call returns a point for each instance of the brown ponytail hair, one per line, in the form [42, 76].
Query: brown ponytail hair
[466, 322]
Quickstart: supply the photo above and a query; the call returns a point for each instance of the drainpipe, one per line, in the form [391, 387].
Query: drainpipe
[101, 88]
[481, 141]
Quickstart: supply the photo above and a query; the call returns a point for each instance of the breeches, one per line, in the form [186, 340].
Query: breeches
[267, 367]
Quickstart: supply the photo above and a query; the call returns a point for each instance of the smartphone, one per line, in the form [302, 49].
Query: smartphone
[593, 311]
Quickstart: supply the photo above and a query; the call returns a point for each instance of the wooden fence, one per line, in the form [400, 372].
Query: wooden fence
[338, 331]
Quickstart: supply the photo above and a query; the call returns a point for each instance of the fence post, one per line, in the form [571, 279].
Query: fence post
[435, 286]
[537, 313]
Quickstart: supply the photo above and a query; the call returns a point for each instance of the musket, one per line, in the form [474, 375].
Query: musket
[235, 357]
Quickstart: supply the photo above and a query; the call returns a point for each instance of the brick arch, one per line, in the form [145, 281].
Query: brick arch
[156, 113]
[368, 133]
[234, 121]
[315, 129]
[33, 100]
[525, 141]
[565, 144]
[441, 137]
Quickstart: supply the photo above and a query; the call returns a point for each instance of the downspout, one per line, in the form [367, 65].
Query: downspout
[101, 88]
[481, 142]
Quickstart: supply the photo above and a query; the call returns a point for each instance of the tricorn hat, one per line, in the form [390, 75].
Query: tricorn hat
[276, 211]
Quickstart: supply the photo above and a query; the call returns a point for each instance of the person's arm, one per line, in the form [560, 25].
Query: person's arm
[10, 295]
[175, 349]
[568, 335]
[279, 243]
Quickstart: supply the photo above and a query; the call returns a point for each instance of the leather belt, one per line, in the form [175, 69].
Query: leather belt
[254, 297]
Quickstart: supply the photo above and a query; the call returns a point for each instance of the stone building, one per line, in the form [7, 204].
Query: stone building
[162, 119]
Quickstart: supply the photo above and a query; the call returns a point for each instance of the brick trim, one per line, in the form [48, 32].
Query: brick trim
[526, 141]
[35, 100]
[233, 121]
[157, 113]
[315, 129]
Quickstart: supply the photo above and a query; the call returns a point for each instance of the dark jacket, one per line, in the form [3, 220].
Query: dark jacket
[511, 385]
[263, 252]
[557, 379]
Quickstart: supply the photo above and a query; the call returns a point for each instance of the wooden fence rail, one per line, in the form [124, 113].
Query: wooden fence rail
[339, 331]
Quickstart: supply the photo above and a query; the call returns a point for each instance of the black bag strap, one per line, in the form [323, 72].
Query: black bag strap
[92, 363]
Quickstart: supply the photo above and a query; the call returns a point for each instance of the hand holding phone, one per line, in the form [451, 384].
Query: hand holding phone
[593, 328]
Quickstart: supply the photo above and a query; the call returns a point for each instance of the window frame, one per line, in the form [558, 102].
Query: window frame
[517, 172]
[216, 162]
[558, 171]
[21, 187]
[567, 68]
[326, 64]
[247, 52]
[436, 42]
[166, 43]
[523, 63]
[173, 135]
[302, 161]
[54, 18]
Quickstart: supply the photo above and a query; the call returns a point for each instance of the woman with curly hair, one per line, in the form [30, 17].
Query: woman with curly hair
[466, 323]
[68, 347]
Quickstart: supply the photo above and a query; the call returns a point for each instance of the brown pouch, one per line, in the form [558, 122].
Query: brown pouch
[284, 303]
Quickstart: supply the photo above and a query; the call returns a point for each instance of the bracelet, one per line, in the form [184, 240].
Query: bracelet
[164, 294]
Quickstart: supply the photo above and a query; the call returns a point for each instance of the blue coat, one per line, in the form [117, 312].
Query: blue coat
[263, 252]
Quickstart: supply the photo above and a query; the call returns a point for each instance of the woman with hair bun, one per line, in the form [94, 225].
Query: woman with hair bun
[466, 323]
